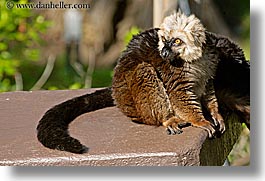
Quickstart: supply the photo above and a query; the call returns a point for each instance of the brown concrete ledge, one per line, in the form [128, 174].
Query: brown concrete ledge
[112, 139]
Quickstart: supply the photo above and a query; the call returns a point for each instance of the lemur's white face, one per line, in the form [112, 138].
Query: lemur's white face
[181, 36]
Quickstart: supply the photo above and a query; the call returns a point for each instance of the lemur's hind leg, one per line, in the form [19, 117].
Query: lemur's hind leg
[123, 99]
[151, 100]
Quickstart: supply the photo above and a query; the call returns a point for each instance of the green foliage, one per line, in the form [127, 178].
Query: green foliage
[61, 77]
[20, 31]
[245, 42]
[240, 155]
[133, 31]
[102, 77]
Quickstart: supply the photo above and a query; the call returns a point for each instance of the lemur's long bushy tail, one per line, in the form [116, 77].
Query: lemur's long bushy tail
[232, 81]
[53, 126]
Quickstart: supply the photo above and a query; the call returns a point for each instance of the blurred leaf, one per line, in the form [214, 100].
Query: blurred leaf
[6, 55]
[3, 46]
[53, 88]
[75, 86]
[32, 54]
[133, 31]
[8, 67]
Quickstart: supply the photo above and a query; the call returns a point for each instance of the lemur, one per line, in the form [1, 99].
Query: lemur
[166, 76]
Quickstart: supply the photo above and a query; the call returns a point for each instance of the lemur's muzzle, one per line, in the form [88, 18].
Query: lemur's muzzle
[165, 52]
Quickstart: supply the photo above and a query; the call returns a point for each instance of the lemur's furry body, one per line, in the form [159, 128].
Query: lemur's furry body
[164, 77]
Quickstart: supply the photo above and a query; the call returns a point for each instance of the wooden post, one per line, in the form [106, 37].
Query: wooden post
[161, 8]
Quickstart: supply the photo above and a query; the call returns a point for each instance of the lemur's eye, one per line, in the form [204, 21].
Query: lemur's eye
[163, 38]
[178, 41]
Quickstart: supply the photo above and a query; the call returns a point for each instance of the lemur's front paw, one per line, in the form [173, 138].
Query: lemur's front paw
[206, 125]
[219, 122]
[172, 126]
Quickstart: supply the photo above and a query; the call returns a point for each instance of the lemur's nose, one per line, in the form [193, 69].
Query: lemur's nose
[165, 52]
